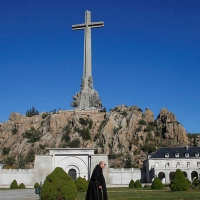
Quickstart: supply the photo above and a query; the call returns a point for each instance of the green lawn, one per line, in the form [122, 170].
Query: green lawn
[147, 194]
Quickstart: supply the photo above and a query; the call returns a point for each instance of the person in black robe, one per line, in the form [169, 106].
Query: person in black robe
[97, 186]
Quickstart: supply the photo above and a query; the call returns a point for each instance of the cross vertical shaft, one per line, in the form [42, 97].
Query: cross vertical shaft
[85, 99]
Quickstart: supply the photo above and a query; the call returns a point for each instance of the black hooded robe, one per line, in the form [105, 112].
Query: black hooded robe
[97, 179]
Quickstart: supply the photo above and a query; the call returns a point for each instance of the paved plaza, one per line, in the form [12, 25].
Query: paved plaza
[18, 194]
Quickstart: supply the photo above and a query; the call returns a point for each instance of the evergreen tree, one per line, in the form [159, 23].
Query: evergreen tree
[132, 184]
[14, 185]
[81, 184]
[179, 182]
[138, 184]
[157, 184]
[59, 185]
[22, 186]
[32, 112]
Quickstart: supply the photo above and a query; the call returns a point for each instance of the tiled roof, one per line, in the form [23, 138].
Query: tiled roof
[172, 152]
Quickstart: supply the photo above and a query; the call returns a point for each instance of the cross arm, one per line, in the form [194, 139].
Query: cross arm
[96, 24]
[78, 26]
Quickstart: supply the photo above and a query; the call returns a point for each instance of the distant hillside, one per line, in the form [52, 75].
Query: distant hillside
[125, 133]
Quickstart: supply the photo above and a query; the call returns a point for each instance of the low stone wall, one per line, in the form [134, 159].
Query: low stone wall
[116, 177]
[119, 177]
[26, 176]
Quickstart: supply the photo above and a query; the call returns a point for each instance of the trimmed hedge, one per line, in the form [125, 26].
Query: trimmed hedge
[36, 185]
[157, 184]
[22, 186]
[59, 185]
[81, 184]
[138, 184]
[132, 184]
[14, 185]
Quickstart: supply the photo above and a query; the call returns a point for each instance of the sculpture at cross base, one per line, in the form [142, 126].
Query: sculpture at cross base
[87, 98]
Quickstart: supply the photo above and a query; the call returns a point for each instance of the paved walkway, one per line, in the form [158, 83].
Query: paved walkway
[19, 194]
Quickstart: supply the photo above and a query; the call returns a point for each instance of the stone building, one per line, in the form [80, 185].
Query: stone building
[165, 161]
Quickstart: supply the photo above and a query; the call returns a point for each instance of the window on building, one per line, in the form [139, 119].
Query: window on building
[188, 164]
[196, 154]
[198, 164]
[166, 155]
[167, 164]
[176, 154]
[178, 164]
[186, 154]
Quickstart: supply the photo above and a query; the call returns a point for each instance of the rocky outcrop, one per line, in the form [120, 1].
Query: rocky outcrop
[121, 133]
[171, 128]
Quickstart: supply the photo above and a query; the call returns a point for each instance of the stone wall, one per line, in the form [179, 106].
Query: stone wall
[26, 176]
[122, 177]
[115, 177]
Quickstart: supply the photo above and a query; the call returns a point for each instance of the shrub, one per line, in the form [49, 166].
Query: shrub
[30, 156]
[81, 184]
[138, 184]
[96, 137]
[124, 113]
[85, 133]
[112, 156]
[142, 122]
[10, 161]
[179, 182]
[5, 151]
[83, 121]
[59, 185]
[36, 185]
[195, 182]
[22, 186]
[14, 131]
[42, 146]
[74, 144]
[67, 131]
[90, 124]
[14, 185]
[148, 148]
[64, 145]
[132, 184]
[32, 135]
[138, 129]
[157, 184]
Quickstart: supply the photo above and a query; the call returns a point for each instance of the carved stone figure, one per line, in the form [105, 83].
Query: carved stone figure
[83, 83]
[77, 99]
[95, 101]
[90, 82]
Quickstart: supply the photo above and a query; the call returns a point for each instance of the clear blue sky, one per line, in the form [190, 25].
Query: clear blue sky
[147, 54]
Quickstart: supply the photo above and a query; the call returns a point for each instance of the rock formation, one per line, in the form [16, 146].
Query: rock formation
[123, 132]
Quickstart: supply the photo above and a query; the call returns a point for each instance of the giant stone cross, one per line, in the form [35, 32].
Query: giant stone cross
[87, 98]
